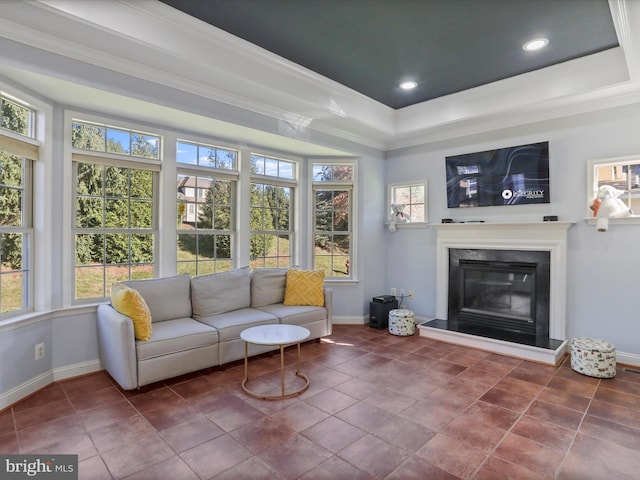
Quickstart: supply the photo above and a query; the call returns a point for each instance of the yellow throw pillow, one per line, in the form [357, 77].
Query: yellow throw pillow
[129, 302]
[304, 287]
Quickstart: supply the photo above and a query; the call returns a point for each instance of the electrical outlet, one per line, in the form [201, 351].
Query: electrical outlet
[39, 351]
[393, 291]
[410, 294]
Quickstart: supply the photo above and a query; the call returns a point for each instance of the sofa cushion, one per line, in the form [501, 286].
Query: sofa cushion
[129, 302]
[221, 292]
[267, 286]
[304, 287]
[295, 315]
[168, 297]
[172, 336]
[230, 324]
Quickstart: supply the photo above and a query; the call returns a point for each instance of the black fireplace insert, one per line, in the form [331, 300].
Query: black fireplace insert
[502, 291]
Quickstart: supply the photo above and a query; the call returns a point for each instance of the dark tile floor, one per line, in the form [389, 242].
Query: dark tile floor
[379, 406]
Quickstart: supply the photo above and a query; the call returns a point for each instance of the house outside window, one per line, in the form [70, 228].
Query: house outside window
[114, 206]
[18, 150]
[622, 174]
[413, 196]
[206, 195]
[333, 223]
[273, 185]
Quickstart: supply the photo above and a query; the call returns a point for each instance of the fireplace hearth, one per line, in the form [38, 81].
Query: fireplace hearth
[501, 287]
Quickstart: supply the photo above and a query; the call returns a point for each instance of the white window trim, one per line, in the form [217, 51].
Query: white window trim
[411, 224]
[592, 189]
[72, 155]
[293, 183]
[43, 255]
[353, 185]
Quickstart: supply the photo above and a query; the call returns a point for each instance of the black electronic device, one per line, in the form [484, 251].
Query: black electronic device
[384, 298]
[379, 313]
[503, 176]
[550, 218]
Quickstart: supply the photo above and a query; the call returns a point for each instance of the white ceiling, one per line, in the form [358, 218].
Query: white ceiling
[141, 59]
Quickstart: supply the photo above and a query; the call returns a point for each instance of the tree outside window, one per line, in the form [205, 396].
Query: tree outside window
[332, 219]
[114, 225]
[272, 212]
[15, 215]
[206, 185]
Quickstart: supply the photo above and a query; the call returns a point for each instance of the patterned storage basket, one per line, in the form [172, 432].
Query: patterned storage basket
[401, 322]
[593, 357]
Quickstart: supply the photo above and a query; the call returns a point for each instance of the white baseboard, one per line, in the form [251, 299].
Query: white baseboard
[631, 359]
[352, 320]
[363, 320]
[70, 371]
[21, 391]
[47, 378]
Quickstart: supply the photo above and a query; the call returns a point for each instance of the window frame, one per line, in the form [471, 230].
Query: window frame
[26, 231]
[107, 159]
[215, 173]
[184, 169]
[592, 187]
[276, 181]
[391, 196]
[26, 148]
[351, 186]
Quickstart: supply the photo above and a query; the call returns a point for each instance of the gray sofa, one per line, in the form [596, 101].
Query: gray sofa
[196, 323]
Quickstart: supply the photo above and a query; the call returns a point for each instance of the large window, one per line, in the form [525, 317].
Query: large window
[114, 214]
[206, 192]
[17, 150]
[333, 219]
[272, 193]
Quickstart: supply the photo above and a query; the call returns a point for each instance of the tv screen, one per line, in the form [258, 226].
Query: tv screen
[504, 176]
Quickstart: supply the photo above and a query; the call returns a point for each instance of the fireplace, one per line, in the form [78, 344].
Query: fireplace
[510, 306]
[499, 292]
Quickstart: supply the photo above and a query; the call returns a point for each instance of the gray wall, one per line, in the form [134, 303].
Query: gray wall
[602, 267]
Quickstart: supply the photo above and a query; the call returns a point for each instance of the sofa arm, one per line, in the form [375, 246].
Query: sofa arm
[117, 346]
[328, 304]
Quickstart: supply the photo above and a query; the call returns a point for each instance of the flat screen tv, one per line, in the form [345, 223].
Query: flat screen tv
[504, 176]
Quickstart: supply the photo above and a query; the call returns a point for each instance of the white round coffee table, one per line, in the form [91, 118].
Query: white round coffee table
[283, 336]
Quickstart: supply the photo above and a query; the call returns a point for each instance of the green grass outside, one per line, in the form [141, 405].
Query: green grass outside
[96, 281]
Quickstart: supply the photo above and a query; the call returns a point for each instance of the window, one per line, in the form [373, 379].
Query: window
[114, 215]
[414, 197]
[206, 207]
[620, 173]
[333, 219]
[17, 151]
[103, 138]
[191, 153]
[272, 230]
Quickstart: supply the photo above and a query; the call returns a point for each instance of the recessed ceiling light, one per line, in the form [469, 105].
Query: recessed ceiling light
[409, 85]
[535, 44]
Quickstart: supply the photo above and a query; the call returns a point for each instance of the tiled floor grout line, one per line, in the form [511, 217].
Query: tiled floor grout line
[506, 433]
[575, 435]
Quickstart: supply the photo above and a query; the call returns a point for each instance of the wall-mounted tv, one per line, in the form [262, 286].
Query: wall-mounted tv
[503, 176]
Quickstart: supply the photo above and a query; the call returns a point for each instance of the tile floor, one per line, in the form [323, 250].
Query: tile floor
[379, 406]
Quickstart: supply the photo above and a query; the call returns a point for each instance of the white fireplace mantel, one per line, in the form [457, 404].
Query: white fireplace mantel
[537, 236]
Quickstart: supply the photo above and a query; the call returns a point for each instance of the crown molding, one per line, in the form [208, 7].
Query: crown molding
[150, 41]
